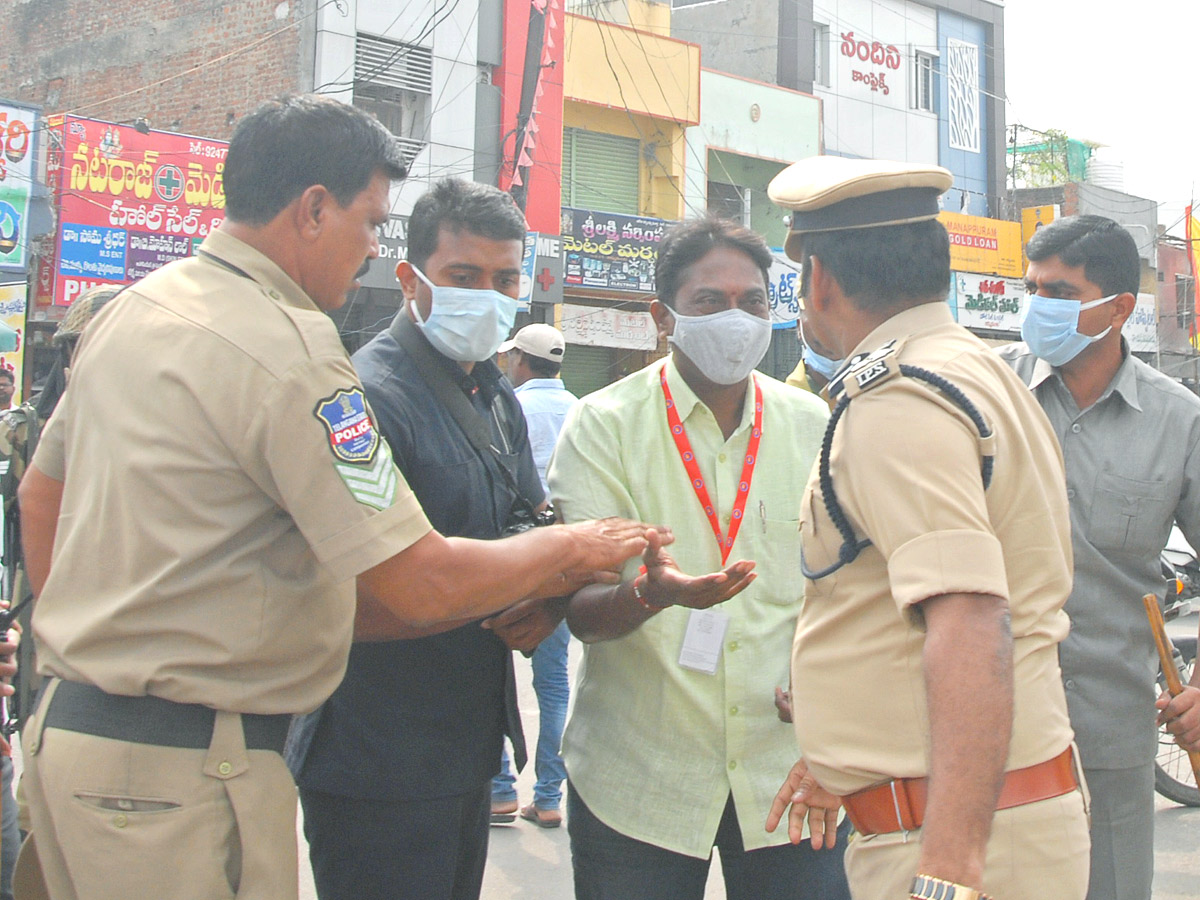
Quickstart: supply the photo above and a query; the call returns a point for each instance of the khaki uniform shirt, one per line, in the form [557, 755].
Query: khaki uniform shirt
[905, 465]
[656, 749]
[223, 485]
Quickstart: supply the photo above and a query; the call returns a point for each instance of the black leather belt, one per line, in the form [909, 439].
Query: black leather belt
[86, 709]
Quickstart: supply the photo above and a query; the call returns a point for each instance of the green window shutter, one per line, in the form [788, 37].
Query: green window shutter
[600, 171]
[586, 369]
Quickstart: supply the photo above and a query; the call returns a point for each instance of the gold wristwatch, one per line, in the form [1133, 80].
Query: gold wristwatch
[926, 887]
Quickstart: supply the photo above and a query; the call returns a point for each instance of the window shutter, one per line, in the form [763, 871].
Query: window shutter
[600, 171]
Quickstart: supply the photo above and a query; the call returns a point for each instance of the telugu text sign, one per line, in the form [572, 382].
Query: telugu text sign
[987, 302]
[12, 314]
[129, 203]
[597, 326]
[18, 130]
[610, 251]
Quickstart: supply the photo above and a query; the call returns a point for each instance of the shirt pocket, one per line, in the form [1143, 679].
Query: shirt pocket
[820, 542]
[1128, 515]
[779, 560]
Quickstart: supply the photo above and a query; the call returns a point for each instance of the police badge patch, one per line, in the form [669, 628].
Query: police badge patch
[352, 434]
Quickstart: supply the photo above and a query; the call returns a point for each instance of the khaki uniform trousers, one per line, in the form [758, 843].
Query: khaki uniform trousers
[115, 820]
[1036, 851]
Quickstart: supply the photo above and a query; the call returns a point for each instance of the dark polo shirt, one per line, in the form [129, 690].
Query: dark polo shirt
[425, 718]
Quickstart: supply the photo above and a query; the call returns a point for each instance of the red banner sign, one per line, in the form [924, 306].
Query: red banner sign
[128, 203]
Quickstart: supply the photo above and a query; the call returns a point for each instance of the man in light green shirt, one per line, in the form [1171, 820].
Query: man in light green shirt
[674, 745]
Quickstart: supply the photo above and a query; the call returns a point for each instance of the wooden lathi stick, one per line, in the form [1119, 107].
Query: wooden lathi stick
[1166, 657]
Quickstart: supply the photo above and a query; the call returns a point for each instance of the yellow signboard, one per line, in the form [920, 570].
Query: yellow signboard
[983, 246]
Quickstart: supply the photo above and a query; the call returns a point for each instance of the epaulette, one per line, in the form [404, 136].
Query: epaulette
[865, 371]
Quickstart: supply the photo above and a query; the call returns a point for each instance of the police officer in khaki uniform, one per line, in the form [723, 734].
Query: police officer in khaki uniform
[936, 544]
[200, 509]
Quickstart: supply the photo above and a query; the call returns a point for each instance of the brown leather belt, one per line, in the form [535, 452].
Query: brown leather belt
[899, 805]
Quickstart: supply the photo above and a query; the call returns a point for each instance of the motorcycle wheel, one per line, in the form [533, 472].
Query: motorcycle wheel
[1173, 775]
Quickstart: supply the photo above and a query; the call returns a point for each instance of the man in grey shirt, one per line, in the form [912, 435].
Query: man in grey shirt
[1130, 438]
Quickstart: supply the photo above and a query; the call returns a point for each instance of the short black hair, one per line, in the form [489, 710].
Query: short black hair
[689, 242]
[7, 373]
[287, 145]
[1106, 251]
[543, 368]
[459, 205]
[885, 266]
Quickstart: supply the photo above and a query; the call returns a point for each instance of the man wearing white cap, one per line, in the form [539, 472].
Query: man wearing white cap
[937, 548]
[535, 356]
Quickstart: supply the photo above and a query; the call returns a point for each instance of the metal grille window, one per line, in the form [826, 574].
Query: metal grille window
[600, 171]
[394, 82]
[962, 87]
[923, 69]
[820, 54]
[729, 201]
[1184, 313]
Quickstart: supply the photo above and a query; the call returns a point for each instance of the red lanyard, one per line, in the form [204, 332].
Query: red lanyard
[724, 542]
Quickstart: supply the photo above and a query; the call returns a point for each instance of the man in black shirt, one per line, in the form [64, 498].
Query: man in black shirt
[395, 769]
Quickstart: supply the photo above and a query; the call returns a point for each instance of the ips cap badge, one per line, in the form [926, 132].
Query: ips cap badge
[352, 435]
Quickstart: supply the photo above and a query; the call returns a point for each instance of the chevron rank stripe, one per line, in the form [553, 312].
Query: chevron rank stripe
[373, 485]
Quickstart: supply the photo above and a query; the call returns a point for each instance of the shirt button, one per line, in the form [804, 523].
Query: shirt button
[120, 820]
[274, 294]
[1076, 428]
[732, 764]
[722, 458]
[1070, 685]
[225, 768]
[733, 710]
[733, 645]
[1070, 493]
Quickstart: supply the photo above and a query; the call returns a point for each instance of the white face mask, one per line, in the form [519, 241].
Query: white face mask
[725, 346]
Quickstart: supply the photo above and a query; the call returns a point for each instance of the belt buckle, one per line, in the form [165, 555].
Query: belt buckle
[896, 806]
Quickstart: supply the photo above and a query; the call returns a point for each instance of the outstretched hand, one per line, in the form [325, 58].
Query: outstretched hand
[667, 585]
[801, 792]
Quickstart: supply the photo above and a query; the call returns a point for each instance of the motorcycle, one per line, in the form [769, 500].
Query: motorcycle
[1173, 775]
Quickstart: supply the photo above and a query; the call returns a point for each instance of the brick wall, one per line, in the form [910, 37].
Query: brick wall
[77, 56]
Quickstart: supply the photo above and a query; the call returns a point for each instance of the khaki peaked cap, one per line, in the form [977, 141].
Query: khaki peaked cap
[834, 193]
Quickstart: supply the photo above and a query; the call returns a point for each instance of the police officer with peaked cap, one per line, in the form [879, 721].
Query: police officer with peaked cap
[936, 544]
[208, 495]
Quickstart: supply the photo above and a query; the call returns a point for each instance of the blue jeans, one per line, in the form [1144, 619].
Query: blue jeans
[552, 689]
[611, 866]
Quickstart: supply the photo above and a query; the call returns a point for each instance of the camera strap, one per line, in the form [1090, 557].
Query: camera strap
[476, 428]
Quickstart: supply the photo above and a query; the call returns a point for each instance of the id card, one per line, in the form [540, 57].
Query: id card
[703, 639]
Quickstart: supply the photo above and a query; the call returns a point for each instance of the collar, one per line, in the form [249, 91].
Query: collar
[261, 269]
[1124, 381]
[484, 375]
[686, 400]
[906, 323]
[540, 384]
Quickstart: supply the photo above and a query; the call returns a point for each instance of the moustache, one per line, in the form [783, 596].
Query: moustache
[363, 269]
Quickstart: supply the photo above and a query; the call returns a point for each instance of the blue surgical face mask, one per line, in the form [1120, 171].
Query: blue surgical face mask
[466, 324]
[1051, 327]
[815, 362]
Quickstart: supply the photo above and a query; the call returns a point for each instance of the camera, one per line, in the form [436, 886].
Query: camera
[523, 518]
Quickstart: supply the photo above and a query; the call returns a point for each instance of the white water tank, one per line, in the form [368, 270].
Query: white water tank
[1105, 169]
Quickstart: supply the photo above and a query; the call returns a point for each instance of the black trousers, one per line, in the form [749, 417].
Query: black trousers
[383, 850]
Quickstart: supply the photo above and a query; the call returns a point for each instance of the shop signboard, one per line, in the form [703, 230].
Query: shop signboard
[783, 289]
[12, 314]
[129, 202]
[596, 326]
[1141, 328]
[610, 251]
[393, 244]
[984, 246]
[988, 302]
[18, 155]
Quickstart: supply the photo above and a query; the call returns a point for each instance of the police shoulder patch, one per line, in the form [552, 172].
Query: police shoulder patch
[352, 434]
